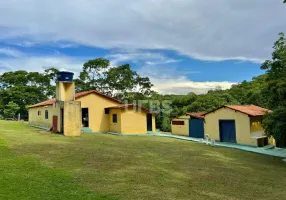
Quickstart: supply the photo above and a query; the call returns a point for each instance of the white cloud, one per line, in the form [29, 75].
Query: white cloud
[150, 58]
[10, 52]
[208, 30]
[171, 80]
[41, 63]
[184, 86]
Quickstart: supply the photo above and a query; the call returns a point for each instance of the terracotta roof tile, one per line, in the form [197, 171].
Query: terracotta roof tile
[250, 110]
[199, 115]
[77, 95]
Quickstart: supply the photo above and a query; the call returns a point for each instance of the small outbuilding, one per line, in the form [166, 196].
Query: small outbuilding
[240, 124]
[191, 125]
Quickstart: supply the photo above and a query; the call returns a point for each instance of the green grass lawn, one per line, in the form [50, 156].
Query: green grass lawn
[36, 165]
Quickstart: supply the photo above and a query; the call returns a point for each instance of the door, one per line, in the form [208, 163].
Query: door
[149, 122]
[227, 131]
[62, 120]
[85, 117]
[196, 128]
[55, 123]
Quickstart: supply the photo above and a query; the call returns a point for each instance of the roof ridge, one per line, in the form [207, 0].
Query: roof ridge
[77, 95]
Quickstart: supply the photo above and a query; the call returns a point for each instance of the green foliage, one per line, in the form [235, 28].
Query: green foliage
[93, 75]
[275, 123]
[11, 109]
[212, 100]
[26, 88]
[166, 123]
[121, 81]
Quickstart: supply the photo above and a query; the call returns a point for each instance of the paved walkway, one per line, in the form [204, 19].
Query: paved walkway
[278, 152]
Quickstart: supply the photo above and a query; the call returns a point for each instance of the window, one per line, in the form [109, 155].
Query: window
[114, 118]
[178, 123]
[106, 111]
[46, 114]
[39, 112]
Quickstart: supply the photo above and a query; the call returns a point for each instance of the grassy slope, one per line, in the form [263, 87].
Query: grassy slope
[139, 167]
[24, 177]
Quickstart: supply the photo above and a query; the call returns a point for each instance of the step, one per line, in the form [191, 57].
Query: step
[86, 130]
[268, 147]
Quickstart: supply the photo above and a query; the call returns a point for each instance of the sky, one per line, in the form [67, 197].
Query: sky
[181, 45]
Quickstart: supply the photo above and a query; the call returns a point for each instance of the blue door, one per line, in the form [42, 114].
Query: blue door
[196, 128]
[227, 131]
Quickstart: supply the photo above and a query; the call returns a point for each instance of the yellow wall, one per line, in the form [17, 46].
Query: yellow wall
[242, 124]
[40, 120]
[181, 129]
[130, 122]
[65, 91]
[133, 122]
[98, 120]
[72, 118]
[154, 123]
[115, 127]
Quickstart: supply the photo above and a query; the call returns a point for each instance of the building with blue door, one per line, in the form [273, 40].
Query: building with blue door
[237, 124]
[191, 125]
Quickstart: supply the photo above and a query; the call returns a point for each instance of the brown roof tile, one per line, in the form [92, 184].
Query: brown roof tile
[250, 110]
[199, 115]
[77, 95]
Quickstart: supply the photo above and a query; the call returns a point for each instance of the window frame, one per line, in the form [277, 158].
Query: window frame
[46, 114]
[178, 123]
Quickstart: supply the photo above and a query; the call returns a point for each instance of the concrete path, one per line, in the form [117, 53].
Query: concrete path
[278, 152]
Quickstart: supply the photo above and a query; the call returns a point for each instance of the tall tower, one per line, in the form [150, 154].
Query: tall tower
[67, 111]
[65, 87]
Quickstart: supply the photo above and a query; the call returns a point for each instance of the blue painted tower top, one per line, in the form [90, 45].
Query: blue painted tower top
[65, 76]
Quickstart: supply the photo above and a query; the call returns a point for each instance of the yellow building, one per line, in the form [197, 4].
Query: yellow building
[237, 124]
[90, 110]
[191, 125]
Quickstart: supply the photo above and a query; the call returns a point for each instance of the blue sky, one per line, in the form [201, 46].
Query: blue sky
[183, 46]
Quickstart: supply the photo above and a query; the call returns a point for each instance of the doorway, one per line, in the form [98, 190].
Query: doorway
[227, 131]
[196, 128]
[149, 122]
[62, 120]
[85, 117]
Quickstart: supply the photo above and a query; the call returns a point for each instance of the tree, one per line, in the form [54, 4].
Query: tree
[24, 88]
[275, 122]
[121, 81]
[166, 123]
[93, 74]
[11, 109]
